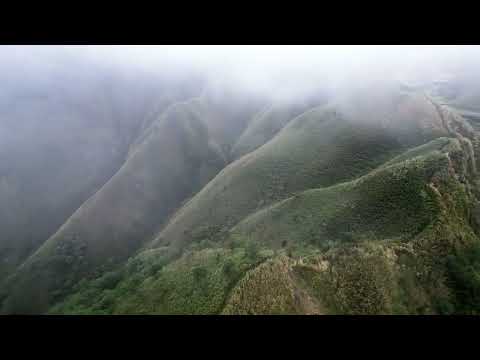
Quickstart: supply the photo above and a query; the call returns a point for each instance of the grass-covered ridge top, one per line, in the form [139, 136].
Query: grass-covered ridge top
[391, 202]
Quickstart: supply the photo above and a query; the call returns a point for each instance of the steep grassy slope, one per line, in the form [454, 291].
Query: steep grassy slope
[227, 114]
[64, 131]
[424, 271]
[322, 147]
[174, 160]
[391, 202]
[165, 163]
[268, 122]
[412, 277]
[414, 251]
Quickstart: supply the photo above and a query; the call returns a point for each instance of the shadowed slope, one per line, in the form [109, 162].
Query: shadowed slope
[63, 134]
[174, 160]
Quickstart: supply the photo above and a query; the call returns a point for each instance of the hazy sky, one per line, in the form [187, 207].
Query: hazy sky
[267, 66]
[256, 67]
[271, 56]
[246, 56]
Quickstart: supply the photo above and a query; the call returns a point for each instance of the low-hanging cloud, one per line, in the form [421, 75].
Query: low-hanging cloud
[272, 70]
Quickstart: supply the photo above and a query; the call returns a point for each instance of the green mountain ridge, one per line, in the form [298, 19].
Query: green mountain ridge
[227, 204]
[296, 277]
[319, 148]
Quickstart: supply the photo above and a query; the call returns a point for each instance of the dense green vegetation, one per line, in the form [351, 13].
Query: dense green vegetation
[389, 203]
[197, 283]
[463, 273]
